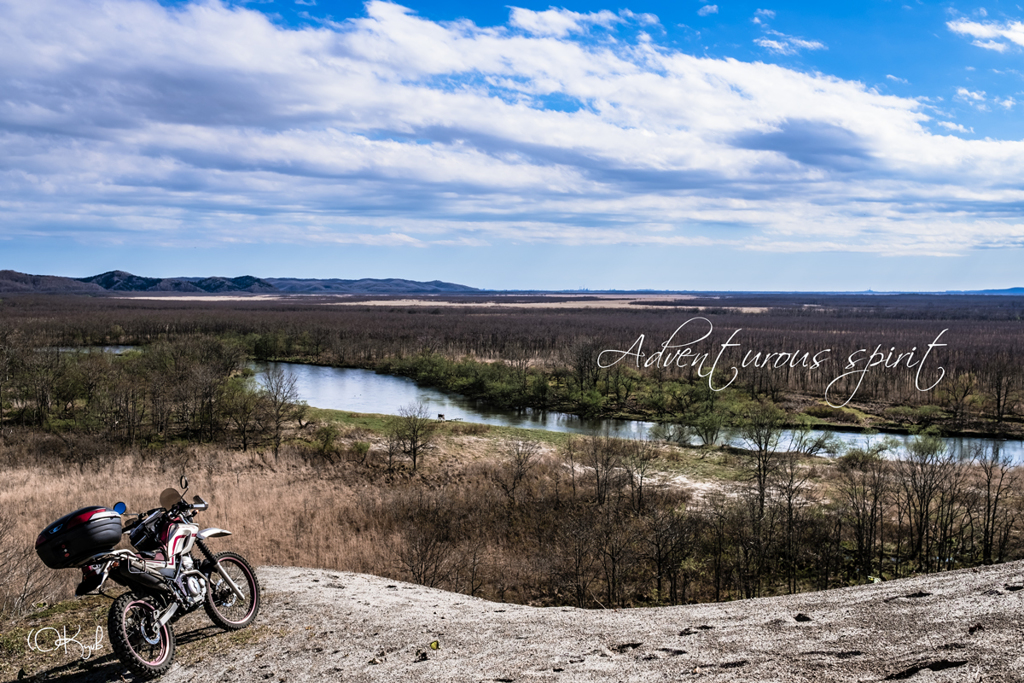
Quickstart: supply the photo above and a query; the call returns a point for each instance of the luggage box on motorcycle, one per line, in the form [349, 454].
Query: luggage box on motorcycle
[77, 536]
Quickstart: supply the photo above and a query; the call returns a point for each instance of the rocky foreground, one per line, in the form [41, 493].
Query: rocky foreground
[322, 626]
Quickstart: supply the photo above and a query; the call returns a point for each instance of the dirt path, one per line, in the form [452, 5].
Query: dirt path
[336, 626]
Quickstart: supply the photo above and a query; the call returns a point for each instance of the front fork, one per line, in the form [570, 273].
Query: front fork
[211, 560]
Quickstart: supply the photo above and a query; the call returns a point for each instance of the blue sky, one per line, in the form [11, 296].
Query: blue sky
[685, 145]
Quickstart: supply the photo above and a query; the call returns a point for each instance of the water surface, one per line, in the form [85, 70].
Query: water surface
[364, 391]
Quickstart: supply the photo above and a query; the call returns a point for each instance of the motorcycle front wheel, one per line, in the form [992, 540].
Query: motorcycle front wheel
[142, 644]
[225, 608]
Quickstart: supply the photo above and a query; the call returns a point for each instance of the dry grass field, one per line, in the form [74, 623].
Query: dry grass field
[575, 529]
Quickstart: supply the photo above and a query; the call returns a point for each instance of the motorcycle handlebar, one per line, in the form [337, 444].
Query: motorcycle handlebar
[197, 505]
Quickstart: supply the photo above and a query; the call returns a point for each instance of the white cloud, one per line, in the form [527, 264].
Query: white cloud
[1006, 103]
[897, 79]
[708, 9]
[974, 98]
[207, 123]
[948, 125]
[559, 22]
[965, 95]
[650, 19]
[992, 35]
[788, 45]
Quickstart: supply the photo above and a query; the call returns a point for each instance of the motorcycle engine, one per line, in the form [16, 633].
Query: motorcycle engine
[196, 587]
[192, 587]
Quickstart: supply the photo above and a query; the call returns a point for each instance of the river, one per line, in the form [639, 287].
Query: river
[364, 391]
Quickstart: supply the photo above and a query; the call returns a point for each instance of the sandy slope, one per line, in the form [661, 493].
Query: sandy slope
[335, 626]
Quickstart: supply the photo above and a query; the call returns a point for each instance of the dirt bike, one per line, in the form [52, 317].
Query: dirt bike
[164, 580]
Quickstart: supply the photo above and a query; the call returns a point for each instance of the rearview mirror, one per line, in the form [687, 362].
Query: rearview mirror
[184, 483]
[119, 508]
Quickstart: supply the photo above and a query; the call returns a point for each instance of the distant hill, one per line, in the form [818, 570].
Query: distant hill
[1012, 291]
[120, 281]
[367, 286]
[12, 281]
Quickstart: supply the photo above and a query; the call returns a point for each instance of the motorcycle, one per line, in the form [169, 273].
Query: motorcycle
[164, 580]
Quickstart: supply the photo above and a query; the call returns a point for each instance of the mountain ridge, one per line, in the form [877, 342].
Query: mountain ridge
[119, 281]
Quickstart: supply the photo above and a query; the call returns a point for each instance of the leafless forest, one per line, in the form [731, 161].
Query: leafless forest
[549, 358]
[587, 521]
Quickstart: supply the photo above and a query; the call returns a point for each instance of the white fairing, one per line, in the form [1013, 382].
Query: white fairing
[212, 532]
[180, 539]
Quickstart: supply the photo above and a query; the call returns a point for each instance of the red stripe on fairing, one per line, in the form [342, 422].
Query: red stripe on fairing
[82, 518]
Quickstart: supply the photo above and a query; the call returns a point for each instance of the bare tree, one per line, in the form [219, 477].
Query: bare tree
[958, 397]
[1000, 379]
[864, 481]
[641, 455]
[760, 432]
[791, 483]
[581, 358]
[921, 474]
[575, 550]
[602, 458]
[571, 455]
[246, 408]
[392, 441]
[518, 359]
[415, 431]
[998, 478]
[282, 397]
[518, 458]
[428, 551]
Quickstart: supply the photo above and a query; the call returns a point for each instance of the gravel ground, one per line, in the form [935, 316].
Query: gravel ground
[320, 625]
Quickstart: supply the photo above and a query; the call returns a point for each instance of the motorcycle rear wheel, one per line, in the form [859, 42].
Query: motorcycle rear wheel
[142, 644]
[224, 607]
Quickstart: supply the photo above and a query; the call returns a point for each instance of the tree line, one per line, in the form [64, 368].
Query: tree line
[198, 389]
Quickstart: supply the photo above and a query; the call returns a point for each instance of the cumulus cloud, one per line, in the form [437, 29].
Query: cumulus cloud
[708, 9]
[132, 121]
[896, 79]
[991, 35]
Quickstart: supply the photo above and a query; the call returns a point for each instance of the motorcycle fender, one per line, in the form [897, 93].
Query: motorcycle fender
[211, 533]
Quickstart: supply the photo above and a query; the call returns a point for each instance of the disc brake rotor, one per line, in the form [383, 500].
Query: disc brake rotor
[151, 632]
